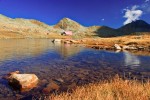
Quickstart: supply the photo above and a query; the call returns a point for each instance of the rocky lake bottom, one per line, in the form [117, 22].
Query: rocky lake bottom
[73, 65]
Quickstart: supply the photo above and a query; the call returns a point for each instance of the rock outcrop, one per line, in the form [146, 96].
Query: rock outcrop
[68, 24]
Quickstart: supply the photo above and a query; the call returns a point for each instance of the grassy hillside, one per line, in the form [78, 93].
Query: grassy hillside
[29, 28]
[24, 28]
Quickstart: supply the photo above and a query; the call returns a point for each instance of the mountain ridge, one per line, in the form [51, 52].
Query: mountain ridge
[31, 28]
[135, 26]
[106, 31]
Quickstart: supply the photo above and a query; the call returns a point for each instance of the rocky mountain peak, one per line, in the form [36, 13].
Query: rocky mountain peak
[66, 19]
[68, 24]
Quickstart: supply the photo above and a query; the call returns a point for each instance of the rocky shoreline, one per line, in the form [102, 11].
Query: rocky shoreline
[131, 46]
[79, 77]
[126, 47]
[131, 42]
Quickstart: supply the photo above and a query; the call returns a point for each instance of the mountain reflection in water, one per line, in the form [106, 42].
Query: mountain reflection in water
[67, 50]
[131, 60]
[21, 48]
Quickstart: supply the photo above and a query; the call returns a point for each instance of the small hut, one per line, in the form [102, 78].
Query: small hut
[67, 33]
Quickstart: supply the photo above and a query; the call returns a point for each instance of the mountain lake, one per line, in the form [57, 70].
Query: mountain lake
[68, 62]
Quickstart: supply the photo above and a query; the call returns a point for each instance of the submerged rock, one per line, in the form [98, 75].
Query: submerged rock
[59, 80]
[52, 86]
[22, 82]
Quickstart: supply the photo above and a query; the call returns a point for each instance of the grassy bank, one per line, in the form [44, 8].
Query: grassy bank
[116, 89]
[123, 40]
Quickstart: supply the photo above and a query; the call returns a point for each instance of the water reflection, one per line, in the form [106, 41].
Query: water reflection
[17, 49]
[48, 60]
[21, 48]
[67, 50]
[131, 60]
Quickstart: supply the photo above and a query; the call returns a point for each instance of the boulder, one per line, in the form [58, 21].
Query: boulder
[22, 82]
[129, 48]
[117, 47]
[141, 48]
[126, 47]
[11, 73]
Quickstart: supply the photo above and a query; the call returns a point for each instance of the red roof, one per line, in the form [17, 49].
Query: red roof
[68, 32]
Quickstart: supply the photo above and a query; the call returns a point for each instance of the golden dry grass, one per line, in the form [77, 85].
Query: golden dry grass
[143, 40]
[117, 89]
[131, 38]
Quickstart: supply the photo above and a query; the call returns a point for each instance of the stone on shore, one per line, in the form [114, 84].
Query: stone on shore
[117, 47]
[22, 82]
[57, 40]
[129, 48]
[73, 41]
[67, 42]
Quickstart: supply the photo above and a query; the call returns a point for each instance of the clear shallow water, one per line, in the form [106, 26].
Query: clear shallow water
[72, 63]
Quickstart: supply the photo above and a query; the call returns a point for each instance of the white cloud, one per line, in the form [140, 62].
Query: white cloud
[102, 19]
[135, 7]
[135, 12]
[146, 0]
[132, 14]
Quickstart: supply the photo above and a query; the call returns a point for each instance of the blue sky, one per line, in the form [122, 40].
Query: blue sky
[111, 13]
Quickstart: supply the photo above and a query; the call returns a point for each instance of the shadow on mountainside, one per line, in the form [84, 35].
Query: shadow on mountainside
[105, 31]
[109, 32]
[138, 27]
